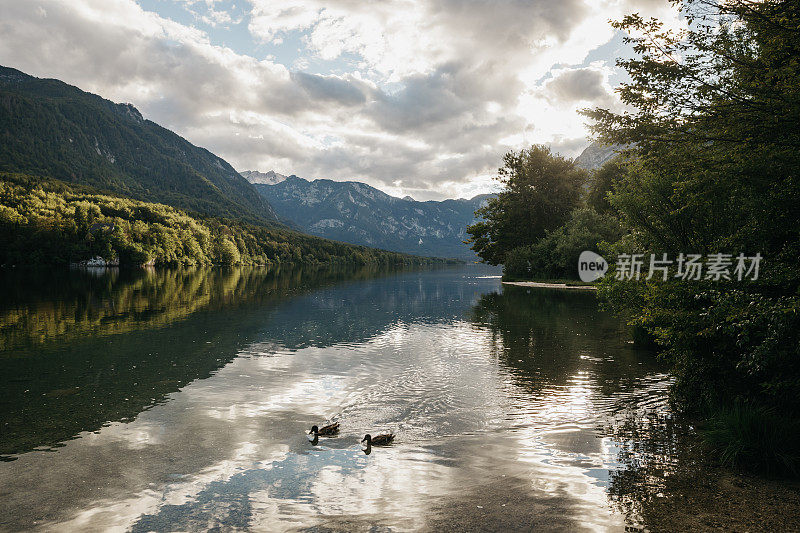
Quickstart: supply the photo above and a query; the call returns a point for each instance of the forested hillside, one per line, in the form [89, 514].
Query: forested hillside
[49, 128]
[51, 222]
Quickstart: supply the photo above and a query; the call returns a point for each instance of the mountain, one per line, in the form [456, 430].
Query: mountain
[49, 128]
[50, 222]
[596, 154]
[357, 213]
[262, 178]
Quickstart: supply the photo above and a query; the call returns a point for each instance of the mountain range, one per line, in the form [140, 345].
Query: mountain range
[357, 213]
[54, 130]
[51, 129]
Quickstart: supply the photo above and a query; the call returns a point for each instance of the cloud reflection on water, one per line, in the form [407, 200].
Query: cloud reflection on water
[498, 403]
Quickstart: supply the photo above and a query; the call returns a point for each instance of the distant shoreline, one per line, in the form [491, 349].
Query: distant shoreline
[544, 285]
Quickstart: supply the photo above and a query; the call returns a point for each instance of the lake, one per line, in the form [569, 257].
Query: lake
[179, 400]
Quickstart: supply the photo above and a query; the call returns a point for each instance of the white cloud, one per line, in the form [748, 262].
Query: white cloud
[217, 18]
[268, 19]
[425, 96]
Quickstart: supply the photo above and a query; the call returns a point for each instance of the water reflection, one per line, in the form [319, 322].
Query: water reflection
[82, 348]
[504, 403]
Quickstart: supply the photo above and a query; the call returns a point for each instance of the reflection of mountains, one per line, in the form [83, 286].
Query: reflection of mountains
[92, 349]
[39, 309]
[356, 312]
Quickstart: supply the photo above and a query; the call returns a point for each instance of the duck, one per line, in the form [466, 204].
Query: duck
[328, 429]
[380, 439]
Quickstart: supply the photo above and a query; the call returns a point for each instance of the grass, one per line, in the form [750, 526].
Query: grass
[754, 438]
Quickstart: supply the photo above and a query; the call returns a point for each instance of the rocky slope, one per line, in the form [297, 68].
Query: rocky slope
[360, 214]
[263, 178]
[596, 154]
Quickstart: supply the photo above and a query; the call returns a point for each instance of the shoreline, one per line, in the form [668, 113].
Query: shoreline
[545, 285]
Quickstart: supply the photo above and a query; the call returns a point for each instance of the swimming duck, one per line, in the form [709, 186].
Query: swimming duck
[327, 429]
[381, 439]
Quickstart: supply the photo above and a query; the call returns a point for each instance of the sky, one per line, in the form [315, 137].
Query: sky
[415, 97]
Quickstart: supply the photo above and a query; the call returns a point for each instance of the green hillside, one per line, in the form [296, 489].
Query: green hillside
[45, 221]
[49, 128]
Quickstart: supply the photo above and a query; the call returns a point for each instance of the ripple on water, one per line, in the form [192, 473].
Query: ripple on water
[496, 398]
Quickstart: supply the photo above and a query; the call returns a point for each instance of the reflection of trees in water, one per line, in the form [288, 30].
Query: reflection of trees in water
[91, 349]
[668, 483]
[546, 336]
[43, 307]
[652, 449]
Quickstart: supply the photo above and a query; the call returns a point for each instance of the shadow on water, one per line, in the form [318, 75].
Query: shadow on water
[549, 336]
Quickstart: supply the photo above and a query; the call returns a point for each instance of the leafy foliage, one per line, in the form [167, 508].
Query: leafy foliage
[601, 184]
[540, 190]
[51, 222]
[555, 256]
[715, 122]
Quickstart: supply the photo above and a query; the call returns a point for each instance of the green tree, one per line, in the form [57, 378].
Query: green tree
[555, 256]
[715, 118]
[601, 183]
[540, 190]
[715, 121]
[227, 252]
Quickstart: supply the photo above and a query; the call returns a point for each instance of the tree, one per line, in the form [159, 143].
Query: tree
[715, 124]
[540, 190]
[555, 256]
[227, 253]
[716, 119]
[601, 184]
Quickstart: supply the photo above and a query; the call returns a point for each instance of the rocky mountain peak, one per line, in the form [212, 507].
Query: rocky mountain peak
[264, 178]
[358, 213]
[597, 154]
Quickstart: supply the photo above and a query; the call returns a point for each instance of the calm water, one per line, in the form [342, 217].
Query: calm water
[179, 400]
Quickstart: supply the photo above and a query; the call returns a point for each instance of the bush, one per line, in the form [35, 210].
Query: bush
[722, 341]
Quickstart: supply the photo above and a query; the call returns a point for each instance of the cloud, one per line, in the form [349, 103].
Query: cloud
[268, 19]
[579, 85]
[337, 89]
[553, 106]
[216, 18]
[406, 95]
